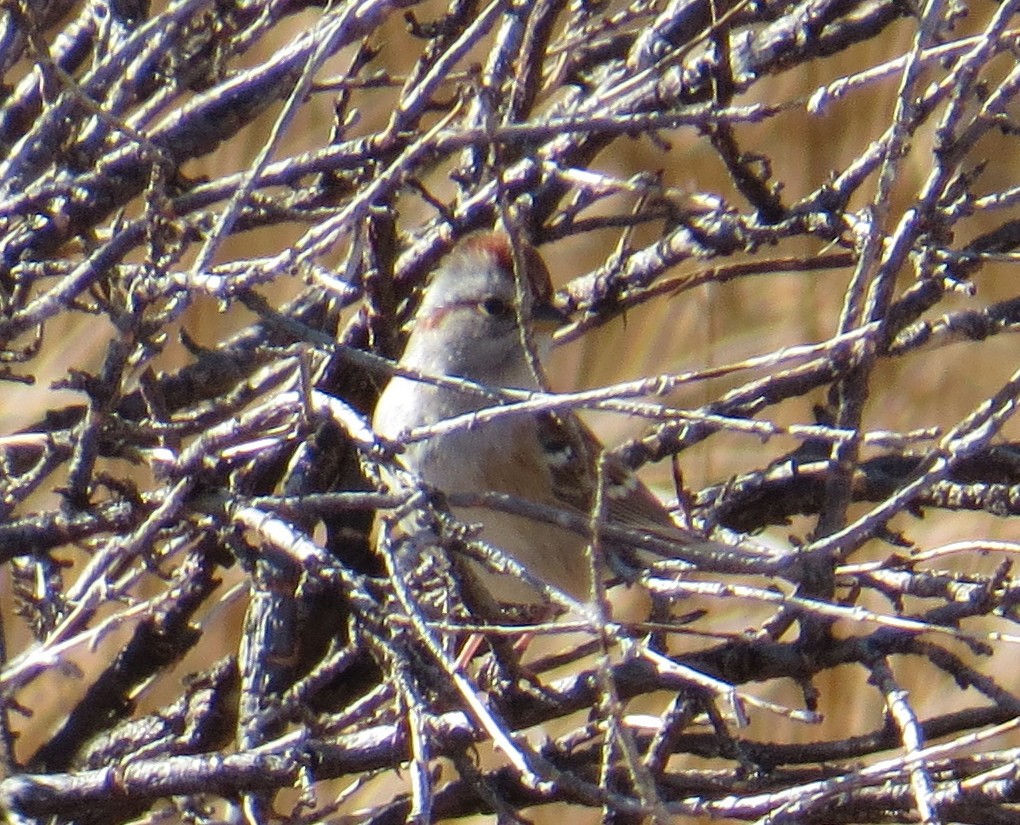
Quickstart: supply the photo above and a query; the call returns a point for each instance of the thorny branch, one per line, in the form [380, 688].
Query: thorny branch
[177, 490]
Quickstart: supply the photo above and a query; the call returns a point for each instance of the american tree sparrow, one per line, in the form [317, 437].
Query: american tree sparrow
[469, 325]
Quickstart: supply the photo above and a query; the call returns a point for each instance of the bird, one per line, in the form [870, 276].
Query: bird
[484, 316]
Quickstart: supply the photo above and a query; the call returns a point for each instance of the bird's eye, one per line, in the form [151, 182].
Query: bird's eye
[497, 308]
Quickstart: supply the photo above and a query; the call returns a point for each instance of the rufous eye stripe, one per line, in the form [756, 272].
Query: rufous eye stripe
[437, 315]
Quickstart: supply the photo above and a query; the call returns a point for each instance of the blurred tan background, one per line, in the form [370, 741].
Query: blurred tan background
[708, 326]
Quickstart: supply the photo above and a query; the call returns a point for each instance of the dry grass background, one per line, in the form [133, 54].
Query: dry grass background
[60, 656]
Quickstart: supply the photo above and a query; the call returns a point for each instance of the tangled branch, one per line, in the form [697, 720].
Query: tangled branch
[215, 219]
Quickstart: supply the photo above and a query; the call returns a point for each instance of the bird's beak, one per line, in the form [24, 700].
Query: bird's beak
[547, 318]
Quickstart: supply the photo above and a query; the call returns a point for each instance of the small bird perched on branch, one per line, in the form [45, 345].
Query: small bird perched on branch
[485, 308]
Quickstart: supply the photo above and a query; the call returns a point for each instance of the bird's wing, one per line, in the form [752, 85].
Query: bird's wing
[573, 452]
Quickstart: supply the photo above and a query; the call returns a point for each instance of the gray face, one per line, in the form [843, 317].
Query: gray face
[469, 323]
